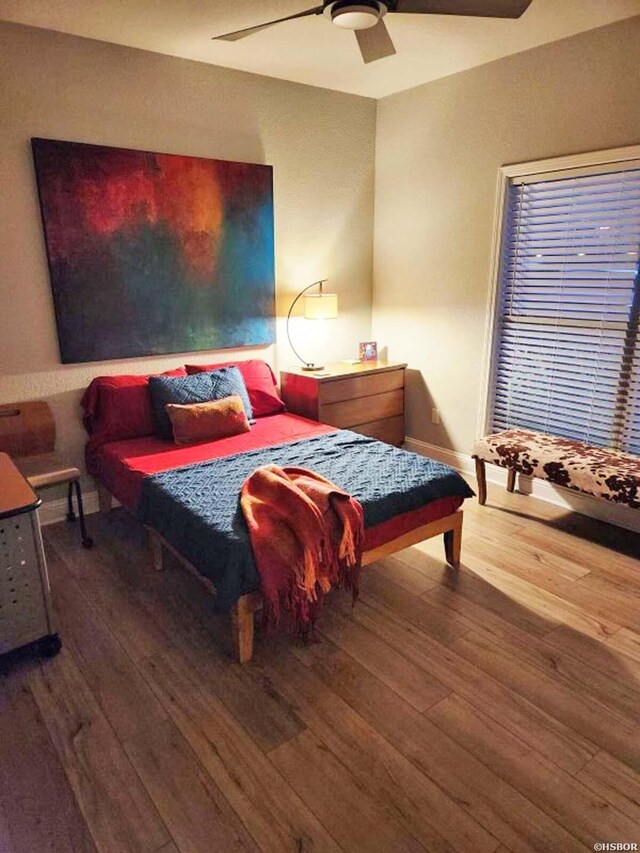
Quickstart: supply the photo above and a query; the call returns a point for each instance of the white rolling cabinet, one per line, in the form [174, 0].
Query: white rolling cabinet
[26, 615]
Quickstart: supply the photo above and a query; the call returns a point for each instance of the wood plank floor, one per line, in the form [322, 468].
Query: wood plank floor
[496, 708]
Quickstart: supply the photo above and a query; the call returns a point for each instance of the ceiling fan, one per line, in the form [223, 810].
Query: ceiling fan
[365, 18]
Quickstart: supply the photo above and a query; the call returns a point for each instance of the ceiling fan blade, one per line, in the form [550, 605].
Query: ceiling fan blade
[473, 8]
[375, 43]
[249, 31]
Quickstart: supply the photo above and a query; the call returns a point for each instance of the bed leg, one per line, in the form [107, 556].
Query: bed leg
[453, 542]
[511, 479]
[104, 498]
[481, 477]
[242, 628]
[155, 545]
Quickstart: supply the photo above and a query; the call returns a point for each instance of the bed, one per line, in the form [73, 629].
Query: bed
[187, 497]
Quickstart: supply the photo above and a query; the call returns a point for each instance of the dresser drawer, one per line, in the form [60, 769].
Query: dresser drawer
[361, 386]
[390, 430]
[362, 410]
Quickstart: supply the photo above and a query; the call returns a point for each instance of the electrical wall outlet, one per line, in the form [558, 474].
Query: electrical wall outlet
[435, 416]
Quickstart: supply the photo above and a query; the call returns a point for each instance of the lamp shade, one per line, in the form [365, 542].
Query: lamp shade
[321, 306]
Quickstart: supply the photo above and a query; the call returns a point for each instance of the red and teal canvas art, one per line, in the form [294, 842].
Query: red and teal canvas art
[155, 253]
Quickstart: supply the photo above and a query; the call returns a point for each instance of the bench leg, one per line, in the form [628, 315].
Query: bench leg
[242, 629]
[453, 543]
[511, 479]
[481, 476]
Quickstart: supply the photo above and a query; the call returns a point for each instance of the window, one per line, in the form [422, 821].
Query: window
[566, 359]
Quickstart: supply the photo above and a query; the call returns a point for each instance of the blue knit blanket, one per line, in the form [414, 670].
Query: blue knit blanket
[197, 508]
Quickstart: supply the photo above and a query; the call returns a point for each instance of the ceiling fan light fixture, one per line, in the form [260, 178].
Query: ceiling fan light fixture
[356, 16]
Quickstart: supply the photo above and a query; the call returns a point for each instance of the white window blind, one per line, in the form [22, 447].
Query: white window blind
[568, 351]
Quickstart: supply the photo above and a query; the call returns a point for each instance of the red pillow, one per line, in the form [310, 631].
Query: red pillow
[260, 382]
[117, 407]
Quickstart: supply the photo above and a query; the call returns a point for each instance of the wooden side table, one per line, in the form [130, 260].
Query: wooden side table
[47, 470]
[26, 614]
[367, 397]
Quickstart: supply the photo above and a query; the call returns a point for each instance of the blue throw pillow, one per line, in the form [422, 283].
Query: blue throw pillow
[197, 388]
[227, 381]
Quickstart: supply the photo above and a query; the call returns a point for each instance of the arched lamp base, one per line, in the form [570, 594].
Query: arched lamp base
[312, 366]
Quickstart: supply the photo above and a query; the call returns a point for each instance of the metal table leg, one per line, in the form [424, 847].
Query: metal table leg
[71, 516]
[87, 541]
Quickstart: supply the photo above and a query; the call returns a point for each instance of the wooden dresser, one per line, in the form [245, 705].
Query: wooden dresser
[367, 397]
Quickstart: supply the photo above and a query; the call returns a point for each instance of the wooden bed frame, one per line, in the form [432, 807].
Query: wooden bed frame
[242, 613]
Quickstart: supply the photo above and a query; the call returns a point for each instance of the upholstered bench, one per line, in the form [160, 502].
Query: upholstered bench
[591, 470]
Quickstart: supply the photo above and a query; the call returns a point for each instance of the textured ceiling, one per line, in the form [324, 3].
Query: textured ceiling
[311, 50]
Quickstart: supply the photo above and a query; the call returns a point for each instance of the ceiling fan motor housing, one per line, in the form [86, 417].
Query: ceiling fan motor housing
[355, 16]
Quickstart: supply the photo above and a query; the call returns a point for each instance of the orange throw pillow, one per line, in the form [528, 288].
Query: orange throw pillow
[207, 421]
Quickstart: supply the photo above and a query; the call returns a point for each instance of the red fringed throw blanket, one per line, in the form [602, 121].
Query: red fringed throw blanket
[307, 536]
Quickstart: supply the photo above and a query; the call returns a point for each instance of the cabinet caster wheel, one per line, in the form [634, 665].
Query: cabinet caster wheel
[49, 646]
[87, 543]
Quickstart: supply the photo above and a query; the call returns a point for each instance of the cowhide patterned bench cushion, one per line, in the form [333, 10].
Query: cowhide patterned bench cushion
[604, 473]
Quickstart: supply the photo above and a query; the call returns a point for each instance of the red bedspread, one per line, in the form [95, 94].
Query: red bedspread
[122, 465]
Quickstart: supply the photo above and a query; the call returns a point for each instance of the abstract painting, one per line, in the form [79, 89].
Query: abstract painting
[155, 253]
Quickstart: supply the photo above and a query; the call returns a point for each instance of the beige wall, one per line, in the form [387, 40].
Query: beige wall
[63, 87]
[438, 151]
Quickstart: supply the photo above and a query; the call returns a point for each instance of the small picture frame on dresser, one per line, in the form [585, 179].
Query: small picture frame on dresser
[368, 350]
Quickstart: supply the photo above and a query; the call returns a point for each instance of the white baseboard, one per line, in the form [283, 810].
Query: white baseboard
[602, 510]
[53, 511]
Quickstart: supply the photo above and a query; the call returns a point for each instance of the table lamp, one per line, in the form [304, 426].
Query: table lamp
[317, 306]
